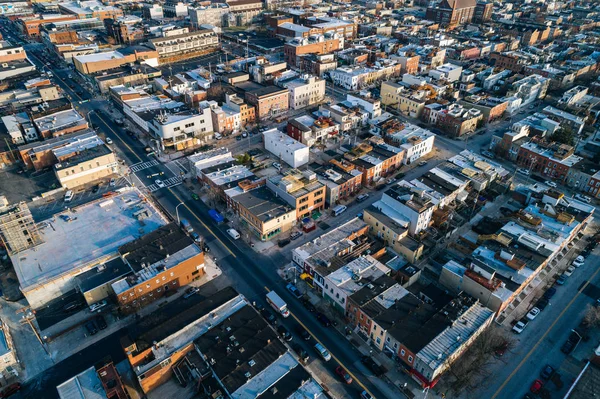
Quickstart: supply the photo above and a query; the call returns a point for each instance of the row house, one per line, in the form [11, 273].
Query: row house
[342, 180]
[552, 160]
[376, 160]
[301, 190]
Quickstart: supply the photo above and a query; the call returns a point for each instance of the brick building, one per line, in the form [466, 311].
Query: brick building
[552, 160]
[297, 47]
[452, 12]
[268, 101]
[161, 261]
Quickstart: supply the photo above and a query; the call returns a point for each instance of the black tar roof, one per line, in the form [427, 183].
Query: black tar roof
[263, 204]
[84, 156]
[173, 317]
[245, 336]
[155, 246]
[96, 277]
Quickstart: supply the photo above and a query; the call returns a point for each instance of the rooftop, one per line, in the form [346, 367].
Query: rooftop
[85, 385]
[67, 245]
[60, 120]
[263, 204]
[82, 155]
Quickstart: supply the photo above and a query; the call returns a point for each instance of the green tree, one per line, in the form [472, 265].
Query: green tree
[563, 136]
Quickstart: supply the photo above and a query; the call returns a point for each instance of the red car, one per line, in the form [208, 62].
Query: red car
[536, 386]
[343, 374]
[10, 390]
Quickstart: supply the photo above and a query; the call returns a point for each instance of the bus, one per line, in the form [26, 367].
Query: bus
[278, 304]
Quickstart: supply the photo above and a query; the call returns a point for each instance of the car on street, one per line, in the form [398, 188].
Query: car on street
[295, 235]
[362, 197]
[95, 307]
[523, 171]
[308, 305]
[100, 322]
[95, 189]
[583, 198]
[569, 272]
[371, 365]
[324, 320]
[501, 349]
[542, 303]
[549, 293]
[109, 140]
[159, 183]
[10, 390]
[561, 280]
[294, 290]
[282, 243]
[571, 343]
[284, 333]
[343, 374]
[195, 197]
[547, 372]
[422, 163]
[270, 317]
[244, 135]
[580, 261]
[550, 184]
[533, 313]
[305, 335]
[91, 327]
[536, 386]
[302, 354]
[190, 292]
[366, 395]
[488, 154]
[238, 138]
[520, 326]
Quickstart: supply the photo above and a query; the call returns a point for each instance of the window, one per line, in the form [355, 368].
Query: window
[402, 352]
[387, 339]
[410, 359]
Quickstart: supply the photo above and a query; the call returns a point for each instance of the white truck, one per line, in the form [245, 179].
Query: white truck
[278, 304]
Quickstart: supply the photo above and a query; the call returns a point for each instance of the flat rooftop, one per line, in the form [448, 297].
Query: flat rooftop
[263, 204]
[85, 385]
[68, 245]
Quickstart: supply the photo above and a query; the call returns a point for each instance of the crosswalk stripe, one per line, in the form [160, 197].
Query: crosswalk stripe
[143, 165]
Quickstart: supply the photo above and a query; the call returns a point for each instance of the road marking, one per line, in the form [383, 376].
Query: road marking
[544, 335]
[143, 165]
[204, 224]
[332, 355]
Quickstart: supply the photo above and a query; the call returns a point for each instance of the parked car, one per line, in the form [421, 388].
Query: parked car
[371, 365]
[302, 354]
[98, 305]
[95, 189]
[305, 335]
[542, 303]
[549, 293]
[270, 317]
[324, 320]
[362, 197]
[569, 272]
[159, 183]
[572, 342]
[294, 290]
[520, 326]
[109, 140]
[579, 261]
[366, 395]
[501, 349]
[308, 305]
[547, 372]
[533, 313]
[91, 327]
[284, 333]
[282, 243]
[100, 322]
[190, 292]
[550, 184]
[10, 390]
[536, 386]
[112, 182]
[295, 235]
[561, 280]
[196, 237]
[343, 374]
[523, 171]
[583, 198]
[422, 163]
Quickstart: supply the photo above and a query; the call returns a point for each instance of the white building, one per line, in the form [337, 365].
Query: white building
[448, 72]
[408, 207]
[153, 11]
[305, 91]
[290, 151]
[415, 140]
[373, 107]
[172, 9]
[530, 89]
[179, 129]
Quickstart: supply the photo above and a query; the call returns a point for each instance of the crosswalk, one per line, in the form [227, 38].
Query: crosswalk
[143, 165]
[173, 181]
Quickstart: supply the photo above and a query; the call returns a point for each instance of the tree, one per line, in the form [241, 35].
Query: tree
[592, 316]
[563, 136]
[216, 92]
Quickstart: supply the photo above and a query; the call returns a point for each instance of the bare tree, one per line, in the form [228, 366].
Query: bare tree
[592, 316]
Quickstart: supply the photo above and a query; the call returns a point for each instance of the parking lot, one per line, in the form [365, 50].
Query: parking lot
[24, 186]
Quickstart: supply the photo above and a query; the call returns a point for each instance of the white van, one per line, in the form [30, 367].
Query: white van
[323, 352]
[217, 136]
[339, 209]
[68, 196]
[233, 233]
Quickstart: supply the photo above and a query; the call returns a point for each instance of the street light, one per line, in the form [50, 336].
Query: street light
[177, 212]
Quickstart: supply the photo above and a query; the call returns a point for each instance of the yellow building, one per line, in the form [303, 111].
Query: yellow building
[85, 166]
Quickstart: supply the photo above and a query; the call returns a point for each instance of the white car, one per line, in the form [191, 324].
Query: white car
[159, 183]
[98, 305]
[580, 261]
[112, 182]
[519, 327]
[569, 271]
[533, 313]
[523, 171]
[583, 198]
[109, 140]
[550, 184]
